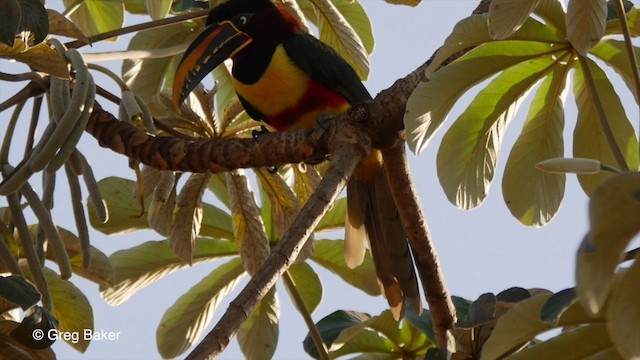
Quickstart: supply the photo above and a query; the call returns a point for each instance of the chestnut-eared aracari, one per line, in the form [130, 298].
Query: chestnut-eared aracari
[288, 79]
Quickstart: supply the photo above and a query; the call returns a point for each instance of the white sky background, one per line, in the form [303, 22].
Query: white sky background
[485, 250]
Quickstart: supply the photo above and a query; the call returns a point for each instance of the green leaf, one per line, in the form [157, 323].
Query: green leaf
[97, 16]
[307, 284]
[614, 53]
[533, 196]
[575, 344]
[431, 101]
[336, 32]
[404, 2]
[139, 266]
[99, 270]
[369, 343]
[125, 214]
[554, 14]
[159, 9]
[614, 222]
[331, 326]
[506, 16]
[216, 223]
[71, 308]
[183, 322]
[258, 335]
[586, 20]
[474, 31]
[633, 20]
[218, 186]
[136, 6]
[469, 151]
[588, 138]
[330, 255]
[481, 311]
[146, 76]
[18, 291]
[522, 323]
[624, 309]
[334, 218]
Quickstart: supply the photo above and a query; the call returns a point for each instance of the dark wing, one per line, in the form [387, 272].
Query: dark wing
[326, 66]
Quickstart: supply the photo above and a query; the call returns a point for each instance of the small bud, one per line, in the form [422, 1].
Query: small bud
[569, 165]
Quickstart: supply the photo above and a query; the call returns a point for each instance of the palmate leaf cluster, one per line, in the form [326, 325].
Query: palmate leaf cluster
[539, 55]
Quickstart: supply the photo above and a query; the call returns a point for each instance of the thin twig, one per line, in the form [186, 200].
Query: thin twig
[302, 309]
[139, 27]
[633, 60]
[348, 144]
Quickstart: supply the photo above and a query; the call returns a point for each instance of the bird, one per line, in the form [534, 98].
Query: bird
[289, 79]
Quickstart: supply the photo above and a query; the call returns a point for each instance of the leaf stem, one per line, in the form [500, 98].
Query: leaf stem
[633, 60]
[123, 86]
[602, 116]
[302, 308]
[138, 27]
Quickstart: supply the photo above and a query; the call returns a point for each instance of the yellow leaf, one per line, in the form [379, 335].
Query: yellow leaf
[60, 25]
[613, 214]
[624, 309]
[41, 57]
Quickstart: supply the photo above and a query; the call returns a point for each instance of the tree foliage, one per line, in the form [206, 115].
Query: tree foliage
[517, 48]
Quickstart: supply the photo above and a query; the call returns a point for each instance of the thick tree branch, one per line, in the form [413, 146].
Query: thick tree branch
[349, 146]
[414, 221]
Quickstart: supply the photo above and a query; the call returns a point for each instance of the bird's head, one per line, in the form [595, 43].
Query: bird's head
[232, 29]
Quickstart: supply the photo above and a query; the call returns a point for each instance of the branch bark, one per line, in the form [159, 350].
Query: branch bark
[349, 146]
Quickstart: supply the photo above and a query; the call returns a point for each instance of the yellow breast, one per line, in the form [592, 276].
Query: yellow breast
[281, 86]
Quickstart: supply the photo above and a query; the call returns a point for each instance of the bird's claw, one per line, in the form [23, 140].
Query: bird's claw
[263, 131]
[322, 121]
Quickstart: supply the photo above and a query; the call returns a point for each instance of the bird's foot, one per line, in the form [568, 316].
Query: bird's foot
[323, 121]
[263, 131]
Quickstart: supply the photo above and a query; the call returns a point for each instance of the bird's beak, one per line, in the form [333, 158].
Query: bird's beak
[217, 43]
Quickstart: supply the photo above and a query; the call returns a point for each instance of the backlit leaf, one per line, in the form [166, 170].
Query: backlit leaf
[574, 344]
[183, 322]
[334, 218]
[613, 220]
[431, 101]
[469, 151]
[330, 255]
[336, 32]
[247, 224]
[614, 53]
[97, 16]
[187, 217]
[586, 20]
[553, 12]
[332, 325]
[158, 9]
[404, 2]
[507, 16]
[633, 20]
[141, 265]
[588, 138]
[258, 335]
[624, 310]
[125, 212]
[522, 323]
[308, 285]
[41, 57]
[71, 308]
[60, 25]
[146, 76]
[533, 196]
[99, 270]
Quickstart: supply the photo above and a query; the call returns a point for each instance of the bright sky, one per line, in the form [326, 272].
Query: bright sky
[485, 250]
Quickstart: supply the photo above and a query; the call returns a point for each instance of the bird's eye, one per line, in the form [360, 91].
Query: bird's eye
[241, 20]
